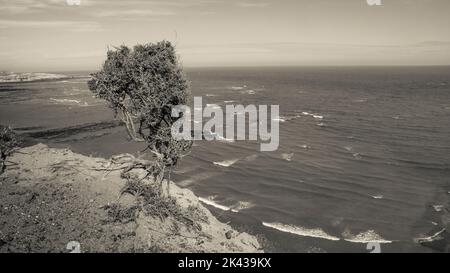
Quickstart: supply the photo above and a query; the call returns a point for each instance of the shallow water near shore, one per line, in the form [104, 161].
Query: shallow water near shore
[364, 152]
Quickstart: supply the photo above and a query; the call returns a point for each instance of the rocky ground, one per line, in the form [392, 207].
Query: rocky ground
[53, 200]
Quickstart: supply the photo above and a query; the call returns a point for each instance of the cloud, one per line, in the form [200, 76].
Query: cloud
[74, 26]
[252, 5]
[29, 6]
[133, 12]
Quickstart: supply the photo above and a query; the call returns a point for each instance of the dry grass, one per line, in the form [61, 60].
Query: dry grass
[120, 214]
[153, 203]
[8, 142]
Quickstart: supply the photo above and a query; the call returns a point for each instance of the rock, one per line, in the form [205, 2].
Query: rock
[31, 197]
[229, 234]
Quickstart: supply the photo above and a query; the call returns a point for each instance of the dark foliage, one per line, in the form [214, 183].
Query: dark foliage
[8, 141]
[142, 85]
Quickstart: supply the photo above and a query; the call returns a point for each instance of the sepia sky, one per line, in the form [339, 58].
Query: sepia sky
[51, 35]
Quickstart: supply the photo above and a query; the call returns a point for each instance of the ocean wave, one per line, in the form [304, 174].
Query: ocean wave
[316, 116]
[377, 196]
[249, 92]
[236, 88]
[301, 231]
[241, 205]
[65, 101]
[280, 119]
[226, 163]
[365, 237]
[221, 138]
[431, 238]
[287, 156]
[438, 208]
[210, 202]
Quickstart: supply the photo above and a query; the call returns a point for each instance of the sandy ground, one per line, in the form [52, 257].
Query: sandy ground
[51, 197]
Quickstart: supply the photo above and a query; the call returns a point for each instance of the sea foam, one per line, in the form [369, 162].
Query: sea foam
[210, 202]
[301, 231]
[365, 237]
[226, 163]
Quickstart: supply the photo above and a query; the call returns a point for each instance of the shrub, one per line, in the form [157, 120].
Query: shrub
[142, 85]
[8, 141]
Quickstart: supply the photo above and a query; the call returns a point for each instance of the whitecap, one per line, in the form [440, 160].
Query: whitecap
[301, 231]
[378, 196]
[241, 205]
[365, 237]
[210, 202]
[221, 138]
[237, 87]
[316, 116]
[287, 156]
[438, 208]
[321, 124]
[65, 100]
[279, 119]
[431, 238]
[226, 163]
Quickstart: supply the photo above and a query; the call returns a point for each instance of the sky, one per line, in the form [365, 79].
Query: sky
[53, 35]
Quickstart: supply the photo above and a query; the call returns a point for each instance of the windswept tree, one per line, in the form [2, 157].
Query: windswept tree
[142, 85]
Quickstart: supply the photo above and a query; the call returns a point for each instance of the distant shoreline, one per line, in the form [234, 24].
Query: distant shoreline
[11, 77]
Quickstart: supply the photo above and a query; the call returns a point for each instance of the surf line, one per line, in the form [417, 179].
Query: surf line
[235, 117]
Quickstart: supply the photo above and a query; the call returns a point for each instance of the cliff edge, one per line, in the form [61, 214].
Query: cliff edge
[54, 200]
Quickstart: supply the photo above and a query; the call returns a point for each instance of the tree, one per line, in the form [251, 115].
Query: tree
[142, 85]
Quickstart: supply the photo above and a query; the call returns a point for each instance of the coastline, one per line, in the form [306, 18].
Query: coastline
[51, 197]
[11, 77]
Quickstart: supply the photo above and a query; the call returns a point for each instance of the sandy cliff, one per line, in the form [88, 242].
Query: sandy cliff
[50, 197]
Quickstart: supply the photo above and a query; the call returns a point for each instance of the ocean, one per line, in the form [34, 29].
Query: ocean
[364, 154]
